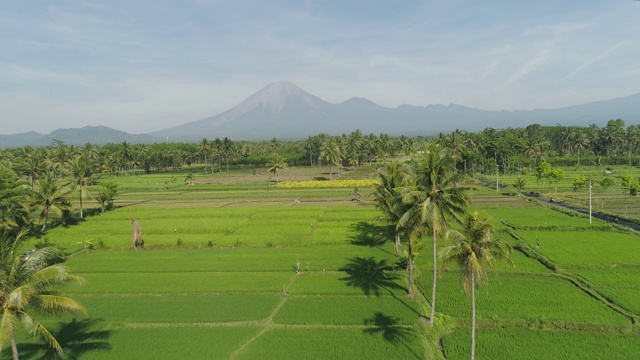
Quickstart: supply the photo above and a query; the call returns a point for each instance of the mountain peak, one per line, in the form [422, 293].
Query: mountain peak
[273, 98]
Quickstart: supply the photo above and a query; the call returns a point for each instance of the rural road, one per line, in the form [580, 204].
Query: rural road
[611, 219]
[607, 218]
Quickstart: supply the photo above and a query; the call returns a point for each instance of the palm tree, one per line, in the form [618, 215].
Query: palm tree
[439, 196]
[276, 165]
[82, 177]
[631, 136]
[32, 161]
[26, 283]
[412, 226]
[217, 150]
[125, 154]
[310, 149]
[204, 148]
[472, 250]
[387, 196]
[12, 194]
[331, 152]
[227, 147]
[50, 196]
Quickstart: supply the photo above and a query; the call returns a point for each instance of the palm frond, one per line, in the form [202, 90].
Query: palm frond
[35, 328]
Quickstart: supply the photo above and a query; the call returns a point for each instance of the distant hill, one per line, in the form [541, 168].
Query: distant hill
[98, 135]
[284, 111]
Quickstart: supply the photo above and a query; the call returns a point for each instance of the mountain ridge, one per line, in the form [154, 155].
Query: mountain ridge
[285, 111]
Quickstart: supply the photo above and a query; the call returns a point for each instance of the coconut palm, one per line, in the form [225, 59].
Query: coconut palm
[82, 177]
[277, 165]
[50, 196]
[439, 196]
[412, 225]
[387, 196]
[32, 163]
[26, 284]
[227, 148]
[204, 148]
[310, 148]
[331, 152]
[473, 249]
[12, 194]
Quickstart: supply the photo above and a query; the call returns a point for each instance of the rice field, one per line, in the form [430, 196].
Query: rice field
[247, 270]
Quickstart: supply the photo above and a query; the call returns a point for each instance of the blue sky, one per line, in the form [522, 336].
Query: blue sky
[146, 65]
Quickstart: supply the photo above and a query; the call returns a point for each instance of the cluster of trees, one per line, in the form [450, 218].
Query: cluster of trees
[518, 150]
[32, 182]
[28, 276]
[418, 198]
[511, 150]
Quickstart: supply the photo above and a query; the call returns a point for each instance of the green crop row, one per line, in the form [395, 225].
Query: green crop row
[141, 281]
[180, 308]
[619, 284]
[314, 259]
[355, 282]
[376, 342]
[527, 298]
[584, 248]
[87, 342]
[525, 344]
[350, 310]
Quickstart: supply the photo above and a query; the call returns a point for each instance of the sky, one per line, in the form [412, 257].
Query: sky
[146, 65]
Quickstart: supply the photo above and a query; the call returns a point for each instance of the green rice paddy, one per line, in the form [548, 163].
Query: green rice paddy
[251, 271]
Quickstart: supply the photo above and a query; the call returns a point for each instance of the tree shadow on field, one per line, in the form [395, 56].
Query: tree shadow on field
[76, 338]
[367, 234]
[388, 327]
[370, 275]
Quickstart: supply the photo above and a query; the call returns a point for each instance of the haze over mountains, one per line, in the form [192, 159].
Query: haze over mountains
[284, 111]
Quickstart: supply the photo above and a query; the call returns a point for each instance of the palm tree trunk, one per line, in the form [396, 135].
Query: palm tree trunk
[473, 315]
[435, 274]
[14, 347]
[46, 218]
[397, 243]
[81, 213]
[410, 272]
